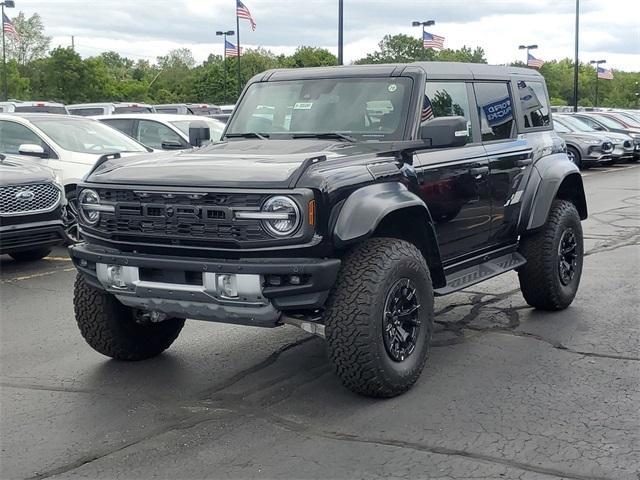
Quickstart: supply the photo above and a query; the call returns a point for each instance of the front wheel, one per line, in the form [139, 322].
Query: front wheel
[379, 318]
[116, 330]
[550, 278]
[574, 157]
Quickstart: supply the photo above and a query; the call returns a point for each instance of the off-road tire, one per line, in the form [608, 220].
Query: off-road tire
[108, 326]
[539, 277]
[30, 255]
[354, 317]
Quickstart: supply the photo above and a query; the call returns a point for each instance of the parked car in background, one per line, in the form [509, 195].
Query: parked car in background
[92, 109]
[68, 144]
[603, 123]
[7, 107]
[221, 117]
[585, 148]
[31, 207]
[227, 108]
[628, 122]
[623, 144]
[40, 107]
[162, 131]
[189, 109]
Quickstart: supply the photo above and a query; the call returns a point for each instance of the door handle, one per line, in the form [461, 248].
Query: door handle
[524, 162]
[478, 171]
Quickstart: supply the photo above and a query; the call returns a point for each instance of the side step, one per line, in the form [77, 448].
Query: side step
[478, 273]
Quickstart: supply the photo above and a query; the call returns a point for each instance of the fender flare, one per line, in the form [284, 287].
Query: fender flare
[364, 210]
[547, 177]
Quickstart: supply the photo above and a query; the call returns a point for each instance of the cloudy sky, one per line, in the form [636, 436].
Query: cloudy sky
[609, 29]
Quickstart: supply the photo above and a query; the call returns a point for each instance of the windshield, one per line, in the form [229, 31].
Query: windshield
[133, 109]
[577, 125]
[608, 121]
[87, 136]
[628, 119]
[558, 126]
[368, 108]
[215, 127]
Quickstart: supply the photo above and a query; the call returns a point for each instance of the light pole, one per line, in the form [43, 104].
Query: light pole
[597, 63]
[340, 32]
[224, 52]
[8, 4]
[527, 48]
[428, 23]
[637, 93]
[576, 66]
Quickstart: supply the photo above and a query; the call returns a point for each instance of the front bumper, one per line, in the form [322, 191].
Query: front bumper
[28, 236]
[187, 287]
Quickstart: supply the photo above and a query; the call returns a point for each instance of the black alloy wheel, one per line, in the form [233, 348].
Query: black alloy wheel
[401, 323]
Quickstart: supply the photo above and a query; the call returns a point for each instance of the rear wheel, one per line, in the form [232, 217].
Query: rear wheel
[379, 318]
[30, 255]
[118, 331]
[550, 278]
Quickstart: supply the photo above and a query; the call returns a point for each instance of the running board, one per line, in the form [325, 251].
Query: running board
[478, 273]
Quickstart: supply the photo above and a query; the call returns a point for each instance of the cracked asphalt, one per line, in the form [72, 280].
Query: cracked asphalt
[508, 392]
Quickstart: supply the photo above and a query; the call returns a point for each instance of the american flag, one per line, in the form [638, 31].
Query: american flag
[605, 74]
[9, 27]
[432, 41]
[533, 61]
[243, 12]
[427, 110]
[230, 50]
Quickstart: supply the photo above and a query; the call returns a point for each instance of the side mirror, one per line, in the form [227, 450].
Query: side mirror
[32, 150]
[445, 132]
[198, 133]
[172, 145]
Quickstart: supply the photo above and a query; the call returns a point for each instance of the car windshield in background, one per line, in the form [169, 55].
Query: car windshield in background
[132, 110]
[215, 128]
[368, 108]
[627, 119]
[87, 136]
[41, 109]
[576, 124]
[608, 121]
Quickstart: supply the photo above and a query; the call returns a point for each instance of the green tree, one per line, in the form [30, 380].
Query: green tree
[33, 43]
[309, 57]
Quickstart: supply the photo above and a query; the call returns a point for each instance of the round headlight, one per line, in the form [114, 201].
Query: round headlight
[86, 200]
[288, 215]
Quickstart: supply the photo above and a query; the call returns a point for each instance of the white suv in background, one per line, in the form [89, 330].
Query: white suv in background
[69, 145]
[162, 131]
[109, 108]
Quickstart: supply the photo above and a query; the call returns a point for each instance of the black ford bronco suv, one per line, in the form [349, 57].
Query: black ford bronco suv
[340, 200]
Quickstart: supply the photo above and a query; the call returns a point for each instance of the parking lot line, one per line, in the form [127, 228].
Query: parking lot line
[36, 275]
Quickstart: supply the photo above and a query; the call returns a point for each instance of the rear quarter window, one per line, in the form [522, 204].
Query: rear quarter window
[495, 110]
[533, 102]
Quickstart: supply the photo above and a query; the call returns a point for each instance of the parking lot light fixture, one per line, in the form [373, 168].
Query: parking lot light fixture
[8, 4]
[427, 23]
[527, 48]
[225, 34]
[597, 63]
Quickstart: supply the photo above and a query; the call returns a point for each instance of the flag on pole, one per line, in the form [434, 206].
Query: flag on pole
[230, 50]
[427, 110]
[605, 74]
[533, 61]
[432, 41]
[9, 27]
[243, 12]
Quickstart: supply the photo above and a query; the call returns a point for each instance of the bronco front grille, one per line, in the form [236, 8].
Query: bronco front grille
[188, 219]
[26, 199]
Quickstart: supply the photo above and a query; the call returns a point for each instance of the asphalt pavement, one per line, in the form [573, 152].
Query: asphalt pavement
[508, 392]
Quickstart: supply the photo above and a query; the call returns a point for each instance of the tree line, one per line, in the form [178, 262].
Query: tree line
[60, 74]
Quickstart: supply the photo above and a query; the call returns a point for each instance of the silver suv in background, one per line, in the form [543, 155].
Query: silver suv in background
[585, 149]
[109, 108]
[189, 109]
[36, 107]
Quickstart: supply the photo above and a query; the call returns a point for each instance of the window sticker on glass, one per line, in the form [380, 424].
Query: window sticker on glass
[303, 106]
[392, 88]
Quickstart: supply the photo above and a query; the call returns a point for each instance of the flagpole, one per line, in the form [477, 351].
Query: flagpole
[238, 47]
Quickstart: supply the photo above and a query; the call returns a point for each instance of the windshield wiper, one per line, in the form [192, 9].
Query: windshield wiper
[261, 136]
[339, 136]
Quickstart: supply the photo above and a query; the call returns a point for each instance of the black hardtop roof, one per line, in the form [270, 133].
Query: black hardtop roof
[433, 70]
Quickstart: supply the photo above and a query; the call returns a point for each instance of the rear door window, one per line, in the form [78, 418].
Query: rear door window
[495, 109]
[446, 99]
[533, 102]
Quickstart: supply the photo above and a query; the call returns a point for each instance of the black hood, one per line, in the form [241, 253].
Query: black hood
[16, 170]
[236, 163]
